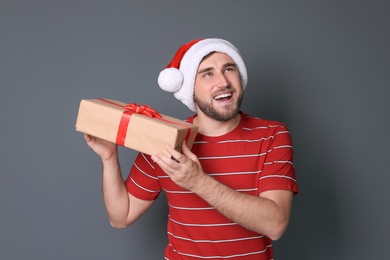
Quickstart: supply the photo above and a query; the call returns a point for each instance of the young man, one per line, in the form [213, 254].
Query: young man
[229, 196]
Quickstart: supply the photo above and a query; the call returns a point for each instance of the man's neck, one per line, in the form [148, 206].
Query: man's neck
[211, 127]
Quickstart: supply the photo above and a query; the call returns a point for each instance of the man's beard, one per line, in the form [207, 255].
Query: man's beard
[210, 111]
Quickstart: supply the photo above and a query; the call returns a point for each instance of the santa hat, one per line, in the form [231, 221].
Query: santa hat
[179, 76]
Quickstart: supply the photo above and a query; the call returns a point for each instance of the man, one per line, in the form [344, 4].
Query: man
[229, 196]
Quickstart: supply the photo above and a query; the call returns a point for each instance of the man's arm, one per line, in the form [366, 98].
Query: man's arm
[122, 208]
[267, 214]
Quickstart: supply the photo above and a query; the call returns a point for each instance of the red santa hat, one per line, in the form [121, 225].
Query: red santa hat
[179, 76]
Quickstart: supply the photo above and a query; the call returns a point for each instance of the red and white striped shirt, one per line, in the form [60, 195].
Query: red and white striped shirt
[256, 156]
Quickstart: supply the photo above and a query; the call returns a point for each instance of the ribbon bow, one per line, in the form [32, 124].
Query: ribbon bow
[143, 109]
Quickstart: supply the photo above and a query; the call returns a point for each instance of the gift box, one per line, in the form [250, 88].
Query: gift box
[137, 127]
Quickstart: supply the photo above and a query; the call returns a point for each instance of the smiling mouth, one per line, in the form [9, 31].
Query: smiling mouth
[223, 97]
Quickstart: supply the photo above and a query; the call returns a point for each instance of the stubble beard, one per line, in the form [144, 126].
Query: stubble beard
[210, 111]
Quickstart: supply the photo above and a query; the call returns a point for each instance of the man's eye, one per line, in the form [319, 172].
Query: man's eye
[229, 69]
[208, 74]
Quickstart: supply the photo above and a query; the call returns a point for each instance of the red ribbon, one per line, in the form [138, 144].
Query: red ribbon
[132, 108]
[144, 110]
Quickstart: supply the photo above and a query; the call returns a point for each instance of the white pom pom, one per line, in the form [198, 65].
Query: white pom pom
[170, 79]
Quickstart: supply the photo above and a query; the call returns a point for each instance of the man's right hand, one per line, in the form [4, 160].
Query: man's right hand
[103, 148]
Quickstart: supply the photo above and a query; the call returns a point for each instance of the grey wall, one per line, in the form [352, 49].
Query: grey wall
[322, 67]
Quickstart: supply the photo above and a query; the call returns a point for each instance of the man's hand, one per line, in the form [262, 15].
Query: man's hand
[184, 169]
[103, 148]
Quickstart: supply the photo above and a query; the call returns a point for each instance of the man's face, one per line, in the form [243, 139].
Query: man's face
[218, 90]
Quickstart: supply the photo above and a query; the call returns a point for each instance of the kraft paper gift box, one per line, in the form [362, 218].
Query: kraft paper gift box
[125, 125]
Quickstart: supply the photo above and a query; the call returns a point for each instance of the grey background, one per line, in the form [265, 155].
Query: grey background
[321, 67]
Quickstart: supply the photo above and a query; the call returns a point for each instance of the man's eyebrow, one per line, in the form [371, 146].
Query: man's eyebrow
[231, 64]
[205, 70]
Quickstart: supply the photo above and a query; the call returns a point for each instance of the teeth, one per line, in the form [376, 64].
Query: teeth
[222, 96]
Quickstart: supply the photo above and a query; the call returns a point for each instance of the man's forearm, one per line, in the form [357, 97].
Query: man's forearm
[115, 194]
[255, 213]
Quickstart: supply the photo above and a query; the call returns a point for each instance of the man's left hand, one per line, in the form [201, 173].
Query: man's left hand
[184, 169]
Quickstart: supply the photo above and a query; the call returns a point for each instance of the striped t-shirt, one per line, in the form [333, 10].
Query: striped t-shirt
[256, 156]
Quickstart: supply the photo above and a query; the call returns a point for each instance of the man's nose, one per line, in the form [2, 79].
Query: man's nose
[221, 80]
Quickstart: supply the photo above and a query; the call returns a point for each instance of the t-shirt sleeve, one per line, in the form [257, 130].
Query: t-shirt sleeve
[142, 181]
[278, 172]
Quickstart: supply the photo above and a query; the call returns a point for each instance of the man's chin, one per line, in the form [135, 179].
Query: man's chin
[218, 111]
[225, 115]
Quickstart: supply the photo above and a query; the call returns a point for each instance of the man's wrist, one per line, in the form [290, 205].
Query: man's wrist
[113, 159]
[205, 186]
